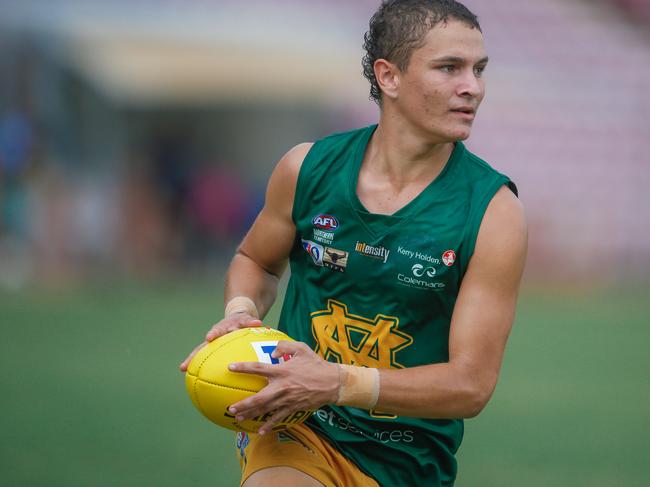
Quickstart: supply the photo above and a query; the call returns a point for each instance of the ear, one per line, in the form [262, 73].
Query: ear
[387, 75]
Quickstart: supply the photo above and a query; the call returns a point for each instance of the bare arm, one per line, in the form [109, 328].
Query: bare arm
[480, 326]
[262, 256]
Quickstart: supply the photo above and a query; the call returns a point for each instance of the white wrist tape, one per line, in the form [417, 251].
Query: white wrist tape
[359, 387]
[241, 304]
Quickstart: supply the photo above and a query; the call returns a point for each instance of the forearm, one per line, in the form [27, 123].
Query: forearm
[247, 278]
[443, 390]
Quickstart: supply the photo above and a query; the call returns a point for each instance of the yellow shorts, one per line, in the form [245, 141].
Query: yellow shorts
[300, 448]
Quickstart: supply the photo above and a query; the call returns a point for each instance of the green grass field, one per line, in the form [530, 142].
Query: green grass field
[91, 393]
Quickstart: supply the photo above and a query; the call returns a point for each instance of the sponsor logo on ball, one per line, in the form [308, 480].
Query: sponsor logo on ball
[263, 350]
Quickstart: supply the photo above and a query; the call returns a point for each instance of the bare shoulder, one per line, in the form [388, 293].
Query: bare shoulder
[269, 241]
[289, 165]
[504, 215]
[297, 154]
[506, 203]
[502, 241]
[282, 184]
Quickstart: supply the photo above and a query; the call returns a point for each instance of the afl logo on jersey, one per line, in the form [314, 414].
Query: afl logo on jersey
[325, 222]
[448, 258]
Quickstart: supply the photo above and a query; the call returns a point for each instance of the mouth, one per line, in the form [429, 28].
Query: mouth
[467, 113]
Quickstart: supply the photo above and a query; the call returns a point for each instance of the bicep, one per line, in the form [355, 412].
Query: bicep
[485, 307]
[270, 238]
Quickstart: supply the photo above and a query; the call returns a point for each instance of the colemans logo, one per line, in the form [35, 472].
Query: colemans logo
[325, 222]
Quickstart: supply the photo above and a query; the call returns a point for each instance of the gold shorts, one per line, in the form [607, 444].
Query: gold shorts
[300, 448]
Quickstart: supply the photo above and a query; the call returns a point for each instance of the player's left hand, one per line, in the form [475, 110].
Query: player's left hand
[305, 382]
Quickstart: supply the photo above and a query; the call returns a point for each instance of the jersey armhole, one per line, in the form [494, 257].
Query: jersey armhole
[512, 187]
[299, 195]
[476, 217]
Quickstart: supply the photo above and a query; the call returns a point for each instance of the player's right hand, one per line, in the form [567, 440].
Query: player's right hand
[231, 323]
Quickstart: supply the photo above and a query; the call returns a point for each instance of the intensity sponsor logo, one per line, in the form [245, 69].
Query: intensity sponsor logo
[376, 252]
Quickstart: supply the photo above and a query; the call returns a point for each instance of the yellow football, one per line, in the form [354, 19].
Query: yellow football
[213, 388]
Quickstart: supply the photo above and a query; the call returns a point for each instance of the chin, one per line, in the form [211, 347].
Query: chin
[461, 134]
[449, 133]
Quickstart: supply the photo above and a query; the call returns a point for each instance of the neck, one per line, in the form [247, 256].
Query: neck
[403, 155]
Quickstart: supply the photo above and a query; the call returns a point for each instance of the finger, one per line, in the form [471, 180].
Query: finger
[231, 324]
[279, 416]
[186, 362]
[245, 320]
[255, 405]
[219, 330]
[258, 368]
[287, 347]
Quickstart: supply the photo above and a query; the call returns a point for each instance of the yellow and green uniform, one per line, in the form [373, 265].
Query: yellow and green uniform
[379, 291]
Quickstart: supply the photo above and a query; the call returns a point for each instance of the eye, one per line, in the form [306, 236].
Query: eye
[478, 70]
[448, 68]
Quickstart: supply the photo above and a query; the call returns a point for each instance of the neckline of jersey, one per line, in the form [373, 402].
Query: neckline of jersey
[407, 211]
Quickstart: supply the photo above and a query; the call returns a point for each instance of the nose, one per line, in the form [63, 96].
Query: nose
[470, 85]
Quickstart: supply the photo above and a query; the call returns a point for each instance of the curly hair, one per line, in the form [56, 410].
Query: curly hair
[398, 27]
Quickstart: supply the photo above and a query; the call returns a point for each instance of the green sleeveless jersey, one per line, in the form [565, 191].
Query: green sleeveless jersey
[379, 291]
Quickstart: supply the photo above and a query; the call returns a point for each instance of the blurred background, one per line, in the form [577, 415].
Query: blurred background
[136, 139]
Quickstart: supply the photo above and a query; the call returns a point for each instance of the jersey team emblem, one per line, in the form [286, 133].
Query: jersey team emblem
[356, 340]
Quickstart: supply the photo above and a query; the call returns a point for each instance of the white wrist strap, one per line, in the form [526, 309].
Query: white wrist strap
[359, 386]
[241, 304]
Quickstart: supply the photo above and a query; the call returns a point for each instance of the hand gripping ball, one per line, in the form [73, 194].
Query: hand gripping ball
[213, 388]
